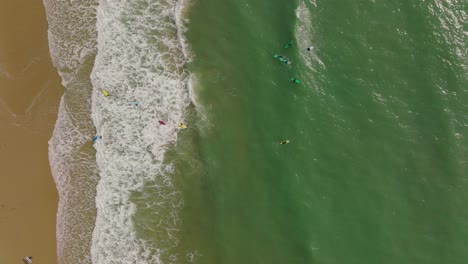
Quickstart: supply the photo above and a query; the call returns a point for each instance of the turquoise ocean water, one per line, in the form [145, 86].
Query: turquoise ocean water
[376, 166]
[375, 171]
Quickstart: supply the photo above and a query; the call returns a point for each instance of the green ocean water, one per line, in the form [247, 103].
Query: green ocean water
[376, 168]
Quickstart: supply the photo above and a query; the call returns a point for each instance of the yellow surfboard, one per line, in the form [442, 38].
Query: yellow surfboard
[182, 126]
[105, 93]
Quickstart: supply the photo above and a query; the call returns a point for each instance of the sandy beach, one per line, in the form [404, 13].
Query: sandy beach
[30, 91]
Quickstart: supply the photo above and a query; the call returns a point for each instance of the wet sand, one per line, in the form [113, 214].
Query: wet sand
[30, 91]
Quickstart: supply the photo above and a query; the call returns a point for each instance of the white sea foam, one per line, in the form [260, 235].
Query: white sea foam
[72, 35]
[303, 33]
[140, 59]
[72, 42]
[142, 52]
[181, 14]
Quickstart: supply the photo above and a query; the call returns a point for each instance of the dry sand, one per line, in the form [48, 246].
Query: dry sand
[30, 91]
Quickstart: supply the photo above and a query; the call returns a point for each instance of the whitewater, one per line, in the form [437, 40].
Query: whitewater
[136, 51]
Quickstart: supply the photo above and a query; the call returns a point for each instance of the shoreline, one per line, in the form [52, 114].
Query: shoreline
[30, 92]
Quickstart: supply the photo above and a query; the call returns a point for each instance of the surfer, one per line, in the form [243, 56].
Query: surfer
[310, 48]
[182, 126]
[281, 58]
[293, 80]
[95, 138]
[105, 93]
[162, 123]
[27, 260]
[135, 103]
[284, 142]
[289, 44]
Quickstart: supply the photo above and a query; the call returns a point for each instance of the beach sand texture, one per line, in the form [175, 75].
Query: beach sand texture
[30, 91]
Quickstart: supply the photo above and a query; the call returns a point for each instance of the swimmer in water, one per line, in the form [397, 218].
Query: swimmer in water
[289, 44]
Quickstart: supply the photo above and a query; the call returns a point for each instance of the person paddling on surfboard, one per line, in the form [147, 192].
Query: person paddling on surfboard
[310, 48]
[289, 44]
[162, 123]
[182, 126]
[284, 142]
[281, 58]
[293, 80]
